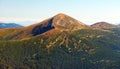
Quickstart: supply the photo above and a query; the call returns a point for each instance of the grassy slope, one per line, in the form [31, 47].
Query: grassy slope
[85, 49]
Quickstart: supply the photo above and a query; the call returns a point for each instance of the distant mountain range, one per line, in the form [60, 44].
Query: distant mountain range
[9, 25]
[61, 42]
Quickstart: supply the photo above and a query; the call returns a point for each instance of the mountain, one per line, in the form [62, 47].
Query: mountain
[9, 25]
[57, 22]
[50, 26]
[59, 42]
[103, 25]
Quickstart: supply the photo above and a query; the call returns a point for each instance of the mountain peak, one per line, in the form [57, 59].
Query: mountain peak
[61, 15]
[64, 21]
[103, 25]
[60, 22]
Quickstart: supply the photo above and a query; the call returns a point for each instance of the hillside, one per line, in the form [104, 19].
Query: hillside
[86, 49]
[60, 42]
[55, 24]
[9, 25]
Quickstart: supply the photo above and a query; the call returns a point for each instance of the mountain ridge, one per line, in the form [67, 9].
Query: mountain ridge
[9, 25]
[103, 25]
[51, 26]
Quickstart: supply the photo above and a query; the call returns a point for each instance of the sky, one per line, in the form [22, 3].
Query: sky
[27, 12]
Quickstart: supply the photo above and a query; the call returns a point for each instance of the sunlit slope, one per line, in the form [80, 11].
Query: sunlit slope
[86, 49]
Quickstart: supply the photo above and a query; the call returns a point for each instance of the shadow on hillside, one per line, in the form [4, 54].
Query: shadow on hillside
[42, 28]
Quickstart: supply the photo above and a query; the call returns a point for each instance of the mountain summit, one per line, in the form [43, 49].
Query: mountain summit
[103, 25]
[64, 21]
[57, 22]
[51, 26]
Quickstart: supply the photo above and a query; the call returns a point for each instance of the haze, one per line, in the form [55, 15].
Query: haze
[26, 12]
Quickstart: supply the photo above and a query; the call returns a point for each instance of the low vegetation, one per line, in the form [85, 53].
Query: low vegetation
[82, 49]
